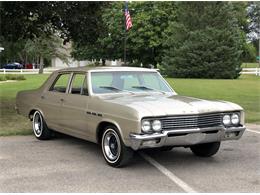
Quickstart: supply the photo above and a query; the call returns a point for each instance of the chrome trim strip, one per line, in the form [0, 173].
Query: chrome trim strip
[179, 140]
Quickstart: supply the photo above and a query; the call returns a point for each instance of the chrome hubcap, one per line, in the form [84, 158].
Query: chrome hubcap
[111, 145]
[37, 124]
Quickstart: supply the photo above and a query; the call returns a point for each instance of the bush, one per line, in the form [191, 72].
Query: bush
[15, 77]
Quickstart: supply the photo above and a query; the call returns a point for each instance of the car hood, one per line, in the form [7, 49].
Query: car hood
[160, 105]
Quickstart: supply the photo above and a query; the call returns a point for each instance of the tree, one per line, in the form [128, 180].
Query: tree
[144, 39]
[44, 47]
[22, 22]
[204, 42]
[254, 27]
[35, 50]
[249, 53]
[27, 20]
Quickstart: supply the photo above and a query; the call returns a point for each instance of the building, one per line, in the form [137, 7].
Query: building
[56, 62]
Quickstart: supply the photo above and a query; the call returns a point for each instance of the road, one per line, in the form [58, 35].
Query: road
[72, 165]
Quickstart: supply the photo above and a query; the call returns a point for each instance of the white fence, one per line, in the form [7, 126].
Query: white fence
[26, 71]
[255, 71]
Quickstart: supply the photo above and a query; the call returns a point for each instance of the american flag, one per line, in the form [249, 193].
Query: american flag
[128, 21]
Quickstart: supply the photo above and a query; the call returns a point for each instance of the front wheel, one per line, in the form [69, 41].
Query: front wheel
[166, 148]
[205, 150]
[114, 151]
[40, 128]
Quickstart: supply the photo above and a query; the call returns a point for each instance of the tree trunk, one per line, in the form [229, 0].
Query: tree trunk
[41, 65]
[103, 62]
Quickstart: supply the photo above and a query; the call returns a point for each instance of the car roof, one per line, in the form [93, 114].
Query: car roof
[105, 68]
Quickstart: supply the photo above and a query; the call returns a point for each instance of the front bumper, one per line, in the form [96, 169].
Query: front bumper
[185, 137]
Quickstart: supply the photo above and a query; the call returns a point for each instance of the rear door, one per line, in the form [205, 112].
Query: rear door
[74, 107]
[52, 100]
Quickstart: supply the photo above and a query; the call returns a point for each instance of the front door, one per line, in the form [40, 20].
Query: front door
[74, 107]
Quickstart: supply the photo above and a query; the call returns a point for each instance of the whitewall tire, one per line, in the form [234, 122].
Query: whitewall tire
[40, 128]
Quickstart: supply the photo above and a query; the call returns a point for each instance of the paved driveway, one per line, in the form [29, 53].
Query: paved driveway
[72, 165]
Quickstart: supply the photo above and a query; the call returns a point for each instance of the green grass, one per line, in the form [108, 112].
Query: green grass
[244, 91]
[10, 122]
[249, 65]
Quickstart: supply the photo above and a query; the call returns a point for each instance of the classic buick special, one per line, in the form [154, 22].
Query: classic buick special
[126, 109]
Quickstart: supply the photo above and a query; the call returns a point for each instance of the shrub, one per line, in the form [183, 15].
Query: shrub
[15, 77]
[20, 77]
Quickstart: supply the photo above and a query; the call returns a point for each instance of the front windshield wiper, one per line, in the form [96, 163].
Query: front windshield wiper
[112, 88]
[148, 88]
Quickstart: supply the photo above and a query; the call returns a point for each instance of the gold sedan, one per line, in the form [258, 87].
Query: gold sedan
[126, 109]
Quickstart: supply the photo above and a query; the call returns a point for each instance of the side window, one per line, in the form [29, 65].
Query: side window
[60, 84]
[79, 85]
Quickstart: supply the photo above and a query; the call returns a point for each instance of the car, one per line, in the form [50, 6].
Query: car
[14, 65]
[125, 109]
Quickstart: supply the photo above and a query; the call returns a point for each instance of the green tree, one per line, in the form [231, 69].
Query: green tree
[27, 20]
[249, 53]
[144, 39]
[44, 47]
[254, 26]
[204, 42]
[35, 50]
[32, 23]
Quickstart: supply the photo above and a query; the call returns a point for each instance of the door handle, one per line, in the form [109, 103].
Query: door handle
[62, 99]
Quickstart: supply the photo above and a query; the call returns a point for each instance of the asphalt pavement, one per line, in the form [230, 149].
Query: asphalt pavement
[68, 164]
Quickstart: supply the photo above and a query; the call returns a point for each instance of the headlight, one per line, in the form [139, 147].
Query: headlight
[146, 126]
[156, 125]
[235, 119]
[226, 119]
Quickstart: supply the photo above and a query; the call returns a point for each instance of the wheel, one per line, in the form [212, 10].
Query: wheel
[40, 128]
[166, 148]
[205, 150]
[115, 153]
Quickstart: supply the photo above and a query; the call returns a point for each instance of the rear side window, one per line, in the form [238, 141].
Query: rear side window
[61, 83]
[79, 85]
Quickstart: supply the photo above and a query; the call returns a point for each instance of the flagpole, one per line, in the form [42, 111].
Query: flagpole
[125, 42]
[128, 25]
[125, 36]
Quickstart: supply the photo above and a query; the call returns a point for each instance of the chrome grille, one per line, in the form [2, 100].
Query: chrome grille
[191, 121]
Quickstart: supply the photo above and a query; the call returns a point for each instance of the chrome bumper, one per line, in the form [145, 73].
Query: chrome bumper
[185, 137]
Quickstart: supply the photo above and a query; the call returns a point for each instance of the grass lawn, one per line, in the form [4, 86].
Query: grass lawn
[10, 122]
[245, 91]
[249, 65]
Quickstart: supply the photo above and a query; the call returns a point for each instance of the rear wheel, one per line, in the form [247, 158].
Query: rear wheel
[205, 150]
[40, 128]
[114, 151]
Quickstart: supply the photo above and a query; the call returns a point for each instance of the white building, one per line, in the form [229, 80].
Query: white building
[70, 62]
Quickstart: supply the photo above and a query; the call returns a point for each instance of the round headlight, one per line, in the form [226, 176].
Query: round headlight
[157, 125]
[146, 126]
[226, 119]
[235, 119]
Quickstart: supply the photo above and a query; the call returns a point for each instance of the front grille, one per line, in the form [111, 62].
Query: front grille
[191, 121]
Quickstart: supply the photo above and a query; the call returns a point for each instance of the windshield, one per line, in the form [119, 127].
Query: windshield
[127, 81]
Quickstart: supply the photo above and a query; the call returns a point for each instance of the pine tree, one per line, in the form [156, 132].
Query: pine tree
[204, 42]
